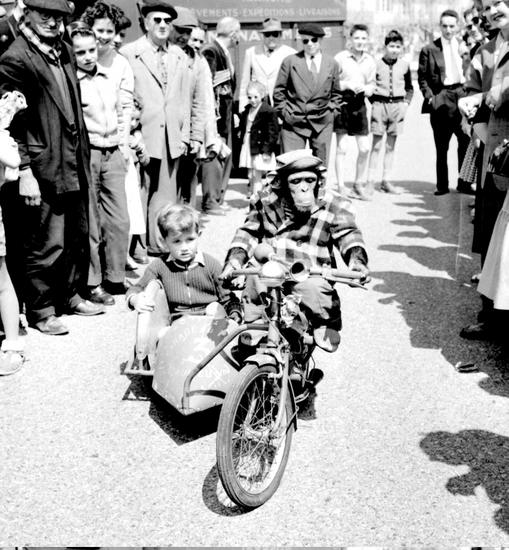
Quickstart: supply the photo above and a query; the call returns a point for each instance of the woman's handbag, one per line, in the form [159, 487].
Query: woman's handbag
[498, 166]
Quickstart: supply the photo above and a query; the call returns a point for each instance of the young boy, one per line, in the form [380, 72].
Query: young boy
[393, 93]
[188, 276]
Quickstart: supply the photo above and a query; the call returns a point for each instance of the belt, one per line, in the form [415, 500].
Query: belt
[387, 99]
[453, 86]
[111, 149]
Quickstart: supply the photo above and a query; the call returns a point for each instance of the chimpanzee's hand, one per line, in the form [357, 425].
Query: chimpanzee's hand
[227, 275]
[357, 265]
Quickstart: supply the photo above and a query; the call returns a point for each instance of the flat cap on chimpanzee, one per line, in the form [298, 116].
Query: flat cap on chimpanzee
[311, 29]
[58, 6]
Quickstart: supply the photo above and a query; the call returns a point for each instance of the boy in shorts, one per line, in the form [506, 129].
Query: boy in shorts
[393, 93]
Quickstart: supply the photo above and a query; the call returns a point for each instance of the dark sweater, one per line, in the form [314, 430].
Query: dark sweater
[188, 288]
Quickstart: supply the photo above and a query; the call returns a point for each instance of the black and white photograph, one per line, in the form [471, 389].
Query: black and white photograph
[253, 290]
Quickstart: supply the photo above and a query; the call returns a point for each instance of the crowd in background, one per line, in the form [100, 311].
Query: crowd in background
[98, 136]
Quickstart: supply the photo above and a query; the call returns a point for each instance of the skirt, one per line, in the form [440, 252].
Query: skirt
[494, 280]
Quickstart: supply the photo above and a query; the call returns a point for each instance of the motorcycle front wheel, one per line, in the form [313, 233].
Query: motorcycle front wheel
[251, 457]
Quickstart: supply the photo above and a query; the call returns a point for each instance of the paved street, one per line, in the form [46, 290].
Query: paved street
[397, 449]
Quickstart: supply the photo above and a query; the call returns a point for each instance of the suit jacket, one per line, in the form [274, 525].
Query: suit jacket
[167, 111]
[8, 32]
[264, 133]
[224, 83]
[53, 144]
[302, 105]
[263, 68]
[431, 76]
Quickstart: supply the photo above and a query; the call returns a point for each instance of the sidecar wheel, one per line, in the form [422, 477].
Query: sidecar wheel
[250, 459]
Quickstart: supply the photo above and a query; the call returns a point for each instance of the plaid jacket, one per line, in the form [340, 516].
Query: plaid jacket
[309, 239]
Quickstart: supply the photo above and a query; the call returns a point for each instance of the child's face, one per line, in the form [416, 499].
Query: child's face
[85, 51]
[135, 118]
[360, 41]
[183, 246]
[393, 50]
[254, 97]
[104, 31]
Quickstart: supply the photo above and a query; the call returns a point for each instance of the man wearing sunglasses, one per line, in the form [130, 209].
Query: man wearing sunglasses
[307, 94]
[54, 174]
[164, 81]
[262, 62]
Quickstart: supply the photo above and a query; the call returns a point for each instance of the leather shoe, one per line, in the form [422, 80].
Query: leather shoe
[359, 193]
[52, 326]
[215, 212]
[440, 192]
[115, 288]
[387, 187]
[477, 331]
[98, 295]
[87, 308]
[326, 338]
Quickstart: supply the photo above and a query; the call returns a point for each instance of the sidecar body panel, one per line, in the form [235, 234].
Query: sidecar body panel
[183, 347]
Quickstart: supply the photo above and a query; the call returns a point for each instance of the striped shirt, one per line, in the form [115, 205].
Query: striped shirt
[296, 237]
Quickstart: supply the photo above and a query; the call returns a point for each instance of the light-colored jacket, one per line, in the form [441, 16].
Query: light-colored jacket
[172, 110]
[263, 68]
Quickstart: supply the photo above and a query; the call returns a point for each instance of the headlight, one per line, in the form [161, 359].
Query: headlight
[273, 274]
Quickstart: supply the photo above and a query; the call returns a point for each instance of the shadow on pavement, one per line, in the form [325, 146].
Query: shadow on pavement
[485, 453]
[215, 497]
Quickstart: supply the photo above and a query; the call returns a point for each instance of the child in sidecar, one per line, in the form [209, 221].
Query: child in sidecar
[184, 281]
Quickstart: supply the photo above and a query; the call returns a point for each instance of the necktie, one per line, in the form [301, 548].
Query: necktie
[162, 66]
[314, 70]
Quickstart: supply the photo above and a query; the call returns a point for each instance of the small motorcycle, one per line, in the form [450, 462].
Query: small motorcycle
[253, 370]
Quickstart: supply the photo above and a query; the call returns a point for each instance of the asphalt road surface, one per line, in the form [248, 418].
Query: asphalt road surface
[397, 449]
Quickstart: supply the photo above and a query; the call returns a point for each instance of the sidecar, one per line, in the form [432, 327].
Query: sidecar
[195, 362]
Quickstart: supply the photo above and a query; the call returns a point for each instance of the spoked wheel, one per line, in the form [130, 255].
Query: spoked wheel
[251, 457]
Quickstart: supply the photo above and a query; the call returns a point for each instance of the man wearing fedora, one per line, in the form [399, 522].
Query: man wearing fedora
[307, 94]
[164, 80]
[262, 62]
[54, 172]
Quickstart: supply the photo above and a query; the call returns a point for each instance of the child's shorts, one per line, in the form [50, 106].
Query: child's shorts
[387, 118]
[2, 237]
[352, 118]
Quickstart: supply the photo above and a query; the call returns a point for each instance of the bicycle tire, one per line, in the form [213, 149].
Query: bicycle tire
[248, 412]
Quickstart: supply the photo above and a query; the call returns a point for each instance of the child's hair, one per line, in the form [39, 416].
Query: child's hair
[359, 27]
[450, 13]
[175, 219]
[258, 86]
[100, 10]
[80, 28]
[393, 36]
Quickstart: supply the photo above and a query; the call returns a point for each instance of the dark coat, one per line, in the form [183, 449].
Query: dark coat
[302, 105]
[431, 76]
[8, 32]
[223, 84]
[53, 144]
[264, 134]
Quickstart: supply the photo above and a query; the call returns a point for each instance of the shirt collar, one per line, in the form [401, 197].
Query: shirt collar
[99, 71]
[155, 47]
[317, 56]
[198, 260]
[361, 58]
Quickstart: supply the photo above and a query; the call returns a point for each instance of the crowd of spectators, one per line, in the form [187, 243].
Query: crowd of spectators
[107, 134]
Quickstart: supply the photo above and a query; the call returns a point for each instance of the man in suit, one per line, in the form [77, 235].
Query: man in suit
[216, 173]
[54, 172]
[171, 122]
[441, 82]
[262, 62]
[307, 93]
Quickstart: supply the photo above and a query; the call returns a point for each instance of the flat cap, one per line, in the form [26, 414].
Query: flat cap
[59, 6]
[311, 29]
[297, 160]
[185, 18]
[158, 5]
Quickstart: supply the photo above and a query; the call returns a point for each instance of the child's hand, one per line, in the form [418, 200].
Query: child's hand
[142, 303]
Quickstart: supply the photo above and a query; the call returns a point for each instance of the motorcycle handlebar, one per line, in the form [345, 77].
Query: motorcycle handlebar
[326, 273]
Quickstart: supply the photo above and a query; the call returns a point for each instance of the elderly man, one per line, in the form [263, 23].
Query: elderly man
[307, 94]
[164, 80]
[301, 224]
[262, 62]
[216, 173]
[54, 174]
